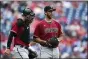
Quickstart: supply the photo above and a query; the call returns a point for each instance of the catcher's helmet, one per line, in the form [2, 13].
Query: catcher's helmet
[28, 11]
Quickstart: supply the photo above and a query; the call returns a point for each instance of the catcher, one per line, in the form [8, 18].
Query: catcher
[47, 33]
[21, 35]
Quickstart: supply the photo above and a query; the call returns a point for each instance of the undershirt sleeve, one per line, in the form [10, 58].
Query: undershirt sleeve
[11, 35]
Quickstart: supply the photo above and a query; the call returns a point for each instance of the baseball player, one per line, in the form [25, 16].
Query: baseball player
[20, 33]
[48, 29]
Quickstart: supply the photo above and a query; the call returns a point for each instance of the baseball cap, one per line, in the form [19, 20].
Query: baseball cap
[49, 8]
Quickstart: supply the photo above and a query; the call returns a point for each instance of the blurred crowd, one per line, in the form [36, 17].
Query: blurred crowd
[71, 15]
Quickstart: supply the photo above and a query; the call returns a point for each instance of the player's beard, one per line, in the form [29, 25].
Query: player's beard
[28, 22]
[49, 16]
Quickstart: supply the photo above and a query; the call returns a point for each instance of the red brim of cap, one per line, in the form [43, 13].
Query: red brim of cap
[52, 9]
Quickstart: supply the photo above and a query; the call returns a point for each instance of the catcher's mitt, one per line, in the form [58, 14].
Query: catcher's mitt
[53, 42]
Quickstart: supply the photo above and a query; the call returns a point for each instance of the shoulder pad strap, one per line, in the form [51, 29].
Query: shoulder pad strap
[20, 22]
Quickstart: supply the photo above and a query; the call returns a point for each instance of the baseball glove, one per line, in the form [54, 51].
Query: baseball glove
[32, 54]
[52, 42]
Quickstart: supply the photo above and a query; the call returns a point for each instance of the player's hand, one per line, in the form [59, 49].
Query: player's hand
[7, 51]
[43, 43]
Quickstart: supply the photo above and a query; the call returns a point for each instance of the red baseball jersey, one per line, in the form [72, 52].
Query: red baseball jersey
[18, 30]
[45, 30]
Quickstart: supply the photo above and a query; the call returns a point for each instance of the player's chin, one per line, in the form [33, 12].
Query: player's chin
[31, 21]
[49, 17]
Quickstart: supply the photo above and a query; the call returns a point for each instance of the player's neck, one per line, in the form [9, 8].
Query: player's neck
[48, 20]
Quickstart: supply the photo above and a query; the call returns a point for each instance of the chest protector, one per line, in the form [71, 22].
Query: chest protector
[25, 35]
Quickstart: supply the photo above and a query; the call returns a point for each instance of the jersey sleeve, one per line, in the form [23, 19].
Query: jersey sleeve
[37, 31]
[59, 30]
[14, 28]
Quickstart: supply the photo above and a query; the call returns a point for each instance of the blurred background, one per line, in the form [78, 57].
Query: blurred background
[72, 15]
